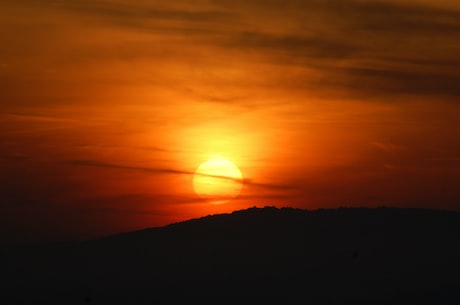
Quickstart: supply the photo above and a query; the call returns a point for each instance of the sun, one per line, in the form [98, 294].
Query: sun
[217, 180]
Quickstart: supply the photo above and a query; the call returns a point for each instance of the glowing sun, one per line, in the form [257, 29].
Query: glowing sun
[217, 180]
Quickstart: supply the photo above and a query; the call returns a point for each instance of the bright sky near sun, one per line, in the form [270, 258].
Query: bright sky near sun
[107, 108]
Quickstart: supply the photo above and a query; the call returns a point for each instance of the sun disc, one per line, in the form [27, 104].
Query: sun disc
[217, 180]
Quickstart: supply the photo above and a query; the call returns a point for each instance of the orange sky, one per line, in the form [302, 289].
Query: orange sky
[108, 107]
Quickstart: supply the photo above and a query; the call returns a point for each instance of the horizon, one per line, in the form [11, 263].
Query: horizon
[206, 217]
[275, 255]
[117, 116]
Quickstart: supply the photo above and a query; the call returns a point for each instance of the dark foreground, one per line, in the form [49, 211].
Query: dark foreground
[254, 256]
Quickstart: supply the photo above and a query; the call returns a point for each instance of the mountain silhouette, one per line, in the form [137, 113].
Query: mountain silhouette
[254, 256]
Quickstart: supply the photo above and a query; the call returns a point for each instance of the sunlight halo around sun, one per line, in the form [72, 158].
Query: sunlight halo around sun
[217, 180]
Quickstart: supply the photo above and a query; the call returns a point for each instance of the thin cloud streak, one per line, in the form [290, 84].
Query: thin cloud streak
[359, 48]
[175, 171]
[13, 156]
[356, 49]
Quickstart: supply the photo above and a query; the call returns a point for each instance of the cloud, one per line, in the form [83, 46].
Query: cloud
[159, 170]
[40, 118]
[116, 166]
[13, 156]
[145, 15]
[357, 48]
[371, 48]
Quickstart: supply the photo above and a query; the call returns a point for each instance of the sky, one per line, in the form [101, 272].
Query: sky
[108, 107]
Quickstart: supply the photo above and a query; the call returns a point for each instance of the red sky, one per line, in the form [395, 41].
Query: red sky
[108, 107]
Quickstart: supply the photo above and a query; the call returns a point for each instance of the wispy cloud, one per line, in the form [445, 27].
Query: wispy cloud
[35, 117]
[13, 156]
[159, 170]
[356, 47]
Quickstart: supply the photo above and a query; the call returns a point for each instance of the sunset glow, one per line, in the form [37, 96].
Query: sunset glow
[217, 180]
[108, 108]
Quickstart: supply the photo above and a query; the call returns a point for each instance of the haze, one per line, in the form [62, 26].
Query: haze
[108, 107]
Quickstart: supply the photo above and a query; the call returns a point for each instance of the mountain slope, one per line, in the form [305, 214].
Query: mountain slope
[269, 255]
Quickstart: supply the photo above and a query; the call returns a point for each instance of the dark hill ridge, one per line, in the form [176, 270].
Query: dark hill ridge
[261, 255]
